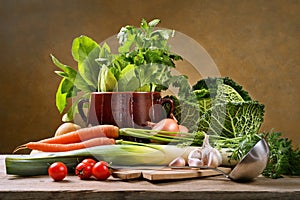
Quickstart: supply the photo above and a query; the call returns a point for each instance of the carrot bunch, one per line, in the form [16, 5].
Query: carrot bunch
[79, 139]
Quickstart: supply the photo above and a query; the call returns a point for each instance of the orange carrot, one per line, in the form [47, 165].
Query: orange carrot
[83, 134]
[45, 147]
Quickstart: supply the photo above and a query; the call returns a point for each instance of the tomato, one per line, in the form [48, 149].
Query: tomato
[89, 161]
[58, 171]
[101, 170]
[84, 170]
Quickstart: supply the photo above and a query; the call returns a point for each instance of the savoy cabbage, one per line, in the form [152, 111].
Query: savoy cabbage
[219, 106]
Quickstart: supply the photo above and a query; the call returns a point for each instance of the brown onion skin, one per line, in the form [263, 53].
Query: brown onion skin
[166, 124]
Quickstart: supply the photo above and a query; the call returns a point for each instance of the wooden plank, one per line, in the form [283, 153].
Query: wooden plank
[127, 174]
[174, 174]
[166, 173]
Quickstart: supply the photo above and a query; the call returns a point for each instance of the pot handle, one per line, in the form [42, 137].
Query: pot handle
[167, 100]
[80, 109]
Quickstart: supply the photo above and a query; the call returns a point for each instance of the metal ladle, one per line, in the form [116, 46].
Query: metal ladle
[250, 166]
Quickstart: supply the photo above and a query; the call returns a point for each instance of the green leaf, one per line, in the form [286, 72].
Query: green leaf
[107, 81]
[68, 72]
[213, 83]
[105, 56]
[233, 119]
[62, 94]
[62, 74]
[105, 51]
[128, 81]
[125, 47]
[154, 22]
[82, 85]
[144, 25]
[144, 74]
[85, 51]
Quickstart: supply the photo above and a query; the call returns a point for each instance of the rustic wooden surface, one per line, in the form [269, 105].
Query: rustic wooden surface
[163, 174]
[216, 187]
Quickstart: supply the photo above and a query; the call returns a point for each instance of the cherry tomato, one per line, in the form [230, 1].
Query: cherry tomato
[89, 161]
[58, 171]
[84, 170]
[101, 170]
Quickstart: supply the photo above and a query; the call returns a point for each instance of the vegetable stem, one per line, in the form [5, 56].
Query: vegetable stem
[144, 135]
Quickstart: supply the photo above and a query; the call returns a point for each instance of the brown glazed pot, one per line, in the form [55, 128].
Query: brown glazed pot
[125, 109]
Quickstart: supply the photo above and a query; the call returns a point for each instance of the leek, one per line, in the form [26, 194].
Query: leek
[123, 154]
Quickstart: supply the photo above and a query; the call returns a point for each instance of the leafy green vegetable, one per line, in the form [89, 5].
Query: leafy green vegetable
[232, 119]
[284, 159]
[144, 38]
[144, 63]
[221, 108]
[212, 84]
[85, 51]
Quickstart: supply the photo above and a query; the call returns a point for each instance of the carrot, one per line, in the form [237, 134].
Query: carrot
[46, 147]
[83, 134]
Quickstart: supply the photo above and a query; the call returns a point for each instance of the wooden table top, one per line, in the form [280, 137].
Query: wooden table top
[216, 187]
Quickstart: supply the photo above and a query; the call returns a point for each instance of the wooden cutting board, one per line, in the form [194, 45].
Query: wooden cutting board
[166, 173]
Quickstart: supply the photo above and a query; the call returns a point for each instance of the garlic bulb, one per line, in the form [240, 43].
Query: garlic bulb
[205, 155]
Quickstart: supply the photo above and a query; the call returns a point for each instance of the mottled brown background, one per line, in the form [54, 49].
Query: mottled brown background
[254, 42]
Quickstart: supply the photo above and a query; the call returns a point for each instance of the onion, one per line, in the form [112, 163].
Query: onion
[166, 125]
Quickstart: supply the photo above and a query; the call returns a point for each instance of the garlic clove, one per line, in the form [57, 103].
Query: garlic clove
[195, 162]
[196, 153]
[195, 158]
[177, 162]
[214, 158]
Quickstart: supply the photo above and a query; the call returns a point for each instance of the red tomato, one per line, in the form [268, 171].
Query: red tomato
[101, 170]
[58, 171]
[84, 170]
[89, 161]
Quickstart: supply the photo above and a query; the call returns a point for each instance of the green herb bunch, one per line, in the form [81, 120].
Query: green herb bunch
[284, 159]
[143, 63]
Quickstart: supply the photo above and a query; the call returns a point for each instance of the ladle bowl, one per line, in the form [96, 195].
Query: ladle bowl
[252, 164]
